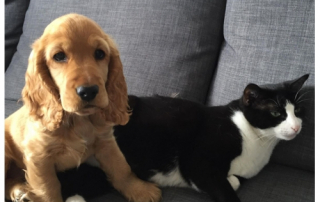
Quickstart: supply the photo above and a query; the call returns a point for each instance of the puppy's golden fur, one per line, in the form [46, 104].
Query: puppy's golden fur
[55, 129]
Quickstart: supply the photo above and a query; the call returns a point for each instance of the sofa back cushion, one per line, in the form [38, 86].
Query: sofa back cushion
[14, 16]
[269, 42]
[167, 47]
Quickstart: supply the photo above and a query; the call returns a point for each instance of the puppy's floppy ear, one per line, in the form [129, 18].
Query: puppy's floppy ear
[117, 110]
[40, 94]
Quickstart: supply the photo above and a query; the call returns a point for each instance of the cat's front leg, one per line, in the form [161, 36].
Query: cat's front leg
[234, 182]
[218, 187]
[211, 180]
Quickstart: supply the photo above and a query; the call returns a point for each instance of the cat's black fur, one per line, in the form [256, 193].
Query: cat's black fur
[165, 132]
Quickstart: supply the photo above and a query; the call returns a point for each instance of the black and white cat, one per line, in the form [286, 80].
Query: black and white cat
[175, 142]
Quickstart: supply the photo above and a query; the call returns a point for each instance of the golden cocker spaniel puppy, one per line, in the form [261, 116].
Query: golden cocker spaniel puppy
[75, 92]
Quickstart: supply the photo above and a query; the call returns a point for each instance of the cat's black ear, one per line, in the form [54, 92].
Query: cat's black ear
[250, 94]
[296, 84]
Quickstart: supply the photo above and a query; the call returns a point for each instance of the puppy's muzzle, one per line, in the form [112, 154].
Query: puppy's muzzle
[87, 93]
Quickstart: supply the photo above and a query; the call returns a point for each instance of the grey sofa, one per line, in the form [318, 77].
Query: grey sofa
[205, 51]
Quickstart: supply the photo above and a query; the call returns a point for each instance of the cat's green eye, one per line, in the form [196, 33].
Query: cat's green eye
[275, 114]
[296, 110]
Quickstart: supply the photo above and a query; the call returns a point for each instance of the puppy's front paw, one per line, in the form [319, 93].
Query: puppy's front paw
[20, 194]
[141, 191]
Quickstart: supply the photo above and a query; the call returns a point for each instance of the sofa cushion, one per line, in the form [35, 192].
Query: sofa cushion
[269, 42]
[169, 194]
[164, 44]
[279, 183]
[265, 42]
[14, 16]
[11, 106]
[273, 183]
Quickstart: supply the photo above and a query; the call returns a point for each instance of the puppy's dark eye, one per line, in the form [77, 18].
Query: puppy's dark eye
[99, 54]
[60, 57]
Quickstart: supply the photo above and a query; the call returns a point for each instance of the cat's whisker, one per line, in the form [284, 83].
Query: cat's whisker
[232, 109]
[301, 96]
[278, 101]
[302, 101]
[258, 138]
[295, 97]
[271, 140]
[264, 137]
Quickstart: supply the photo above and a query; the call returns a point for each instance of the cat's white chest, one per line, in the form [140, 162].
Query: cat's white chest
[172, 178]
[256, 152]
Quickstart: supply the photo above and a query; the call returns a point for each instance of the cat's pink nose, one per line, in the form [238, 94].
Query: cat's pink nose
[295, 128]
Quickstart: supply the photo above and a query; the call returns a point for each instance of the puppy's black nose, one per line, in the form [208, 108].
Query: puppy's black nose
[87, 93]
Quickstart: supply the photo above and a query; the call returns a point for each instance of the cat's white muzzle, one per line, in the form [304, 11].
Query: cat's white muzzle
[290, 127]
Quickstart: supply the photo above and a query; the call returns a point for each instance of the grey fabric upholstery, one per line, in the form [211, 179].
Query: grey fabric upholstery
[169, 194]
[163, 44]
[269, 42]
[174, 47]
[275, 183]
[265, 42]
[11, 106]
[14, 17]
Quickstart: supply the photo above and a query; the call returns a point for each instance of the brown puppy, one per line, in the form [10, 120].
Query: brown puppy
[75, 93]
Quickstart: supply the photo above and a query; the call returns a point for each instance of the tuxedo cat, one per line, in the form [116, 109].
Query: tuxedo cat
[175, 142]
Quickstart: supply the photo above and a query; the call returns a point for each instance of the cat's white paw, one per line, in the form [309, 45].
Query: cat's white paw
[75, 198]
[234, 181]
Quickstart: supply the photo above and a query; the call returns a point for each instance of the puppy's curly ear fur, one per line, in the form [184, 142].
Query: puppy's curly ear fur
[117, 110]
[40, 94]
